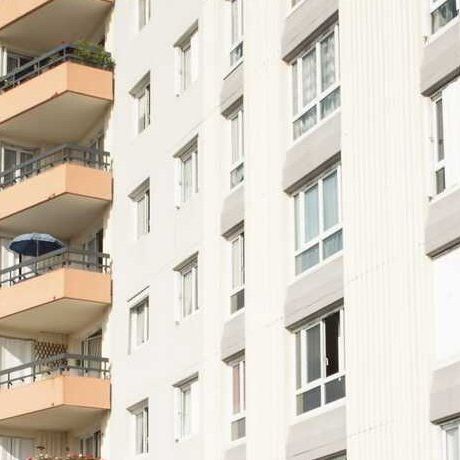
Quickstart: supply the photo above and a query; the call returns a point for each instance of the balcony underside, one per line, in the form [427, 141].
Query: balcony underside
[62, 403]
[48, 23]
[62, 301]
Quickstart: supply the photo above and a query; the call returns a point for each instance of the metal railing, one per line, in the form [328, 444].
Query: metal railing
[63, 364]
[89, 55]
[62, 258]
[67, 153]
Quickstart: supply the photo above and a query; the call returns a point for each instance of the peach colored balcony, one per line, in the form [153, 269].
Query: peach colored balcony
[48, 23]
[56, 98]
[60, 292]
[70, 185]
[59, 393]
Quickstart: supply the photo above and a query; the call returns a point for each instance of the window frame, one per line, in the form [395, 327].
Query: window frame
[133, 319]
[187, 70]
[144, 14]
[455, 424]
[191, 266]
[237, 116]
[321, 95]
[438, 165]
[188, 386]
[141, 409]
[434, 5]
[239, 237]
[237, 41]
[22, 154]
[234, 417]
[141, 197]
[189, 154]
[301, 361]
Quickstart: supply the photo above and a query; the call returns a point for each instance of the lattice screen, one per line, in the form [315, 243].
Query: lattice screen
[44, 350]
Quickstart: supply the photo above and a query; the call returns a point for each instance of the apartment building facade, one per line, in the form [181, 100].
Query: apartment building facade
[258, 205]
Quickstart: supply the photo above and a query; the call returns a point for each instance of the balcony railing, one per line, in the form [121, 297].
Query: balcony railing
[63, 364]
[91, 55]
[62, 258]
[67, 153]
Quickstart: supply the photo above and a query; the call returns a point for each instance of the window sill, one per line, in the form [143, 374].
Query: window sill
[432, 37]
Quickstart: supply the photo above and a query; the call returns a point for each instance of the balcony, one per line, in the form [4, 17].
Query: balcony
[47, 23]
[59, 393]
[58, 97]
[70, 185]
[60, 292]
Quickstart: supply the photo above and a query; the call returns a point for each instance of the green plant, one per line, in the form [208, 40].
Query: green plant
[96, 55]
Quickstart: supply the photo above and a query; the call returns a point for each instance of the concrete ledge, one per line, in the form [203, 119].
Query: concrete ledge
[305, 23]
[445, 393]
[318, 437]
[232, 90]
[441, 61]
[314, 292]
[233, 338]
[318, 149]
[233, 211]
[442, 228]
[236, 453]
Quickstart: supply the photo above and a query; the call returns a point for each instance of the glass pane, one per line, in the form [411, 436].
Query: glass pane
[332, 328]
[187, 67]
[330, 103]
[235, 128]
[298, 360]
[238, 429]
[187, 181]
[307, 259]
[187, 294]
[440, 180]
[235, 21]
[309, 77]
[139, 433]
[237, 279]
[439, 130]
[444, 14]
[313, 353]
[236, 54]
[327, 62]
[186, 411]
[297, 225]
[311, 213]
[330, 201]
[335, 390]
[332, 244]
[295, 89]
[309, 400]
[237, 301]
[237, 175]
[452, 446]
[236, 389]
[305, 122]
[9, 162]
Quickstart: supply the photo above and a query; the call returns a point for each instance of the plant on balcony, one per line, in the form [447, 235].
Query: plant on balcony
[43, 455]
[96, 55]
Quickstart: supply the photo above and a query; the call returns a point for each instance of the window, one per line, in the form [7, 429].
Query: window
[442, 12]
[315, 83]
[16, 448]
[10, 158]
[91, 445]
[318, 227]
[451, 440]
[320, 362]
[141, 198]
[188, 288]
[14, 61]
[139, 323]
[187, 54]
[237, 146]
[446, 137]
[237, 30]
[295, 2]
[140, 414]
[187, 408]
[188, 172]
[145, 11]
[238, 416]
[142, 94]
[237, 261]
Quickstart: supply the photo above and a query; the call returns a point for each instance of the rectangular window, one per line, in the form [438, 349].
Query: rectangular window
[188, 173]
[237, 31]
[14, 61]
[320, 362]
[187, 407]
[237, 147]
[142, 96]
[442, 12]
[140, 416]
[141, 198]
[139, 324]
[16, 448]
[315, 83]
[451, 441]
[188, 288]
[145, 12]
[10, 159]
[90, 446]
[238, 416]
[187, 63]
[237, 263]
[318, 222]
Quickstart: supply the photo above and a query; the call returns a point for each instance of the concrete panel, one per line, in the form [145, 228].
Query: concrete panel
[232, 90]
[306, 22]
[233, 211]
[442, 228]
[319, 148]
[441, 60]
[314, 292]
[445, 393]
[233, 338]
[318, 437]
[236, 453]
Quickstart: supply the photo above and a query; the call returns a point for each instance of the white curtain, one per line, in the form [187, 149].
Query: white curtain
[309, 77]
[16, 448]
[327, 62]
[14, 352]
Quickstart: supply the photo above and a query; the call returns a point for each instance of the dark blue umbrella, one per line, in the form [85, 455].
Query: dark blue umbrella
[35, 244]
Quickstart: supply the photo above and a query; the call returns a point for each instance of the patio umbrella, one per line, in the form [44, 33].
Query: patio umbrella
[35, 244]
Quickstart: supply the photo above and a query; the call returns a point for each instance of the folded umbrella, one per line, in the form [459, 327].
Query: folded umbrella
[35, 244]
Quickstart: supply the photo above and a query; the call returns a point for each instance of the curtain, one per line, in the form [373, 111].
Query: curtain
[16, 448]
[309, 77]
[327, 62]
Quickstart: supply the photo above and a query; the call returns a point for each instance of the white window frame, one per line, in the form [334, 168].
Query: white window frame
[237, 238]
[96, 439]
[190, 267]
[321, 94]
[235, 417]
[187, 71]
[144, 12]
[140, 410]
[235, 165]
[142, 94]
[323, 380]
[438, 165]
[133, 323]
[454, 424]
[185, 429]
[433, 6]
[142, 199]
[237, 41]
[299, 218]
[190, 153]
[21, 153]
